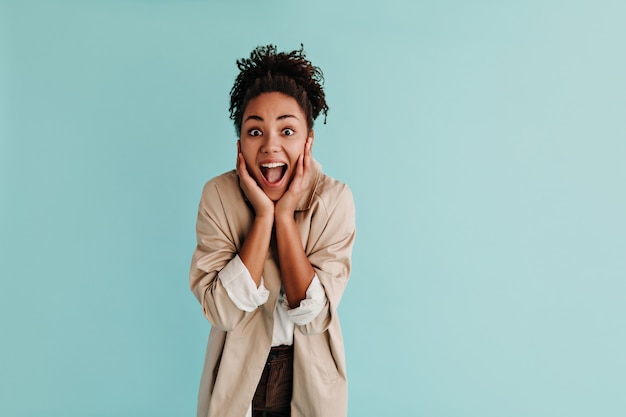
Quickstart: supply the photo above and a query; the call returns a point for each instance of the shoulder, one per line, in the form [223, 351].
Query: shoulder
[223, 188]
[226, 180]
[332, 214]
[329, 188]
[333, 195]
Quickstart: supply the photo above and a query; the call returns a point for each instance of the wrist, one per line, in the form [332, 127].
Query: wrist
[266, 217]
[282, 216]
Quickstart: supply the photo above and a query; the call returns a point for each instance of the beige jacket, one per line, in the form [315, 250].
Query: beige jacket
[239, 341]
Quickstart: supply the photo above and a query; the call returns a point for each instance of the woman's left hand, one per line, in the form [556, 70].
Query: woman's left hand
[300, 183]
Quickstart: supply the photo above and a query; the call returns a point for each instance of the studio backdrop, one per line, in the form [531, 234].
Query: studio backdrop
[484, 143]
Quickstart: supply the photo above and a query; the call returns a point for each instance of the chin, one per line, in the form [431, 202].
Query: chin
[274, 195]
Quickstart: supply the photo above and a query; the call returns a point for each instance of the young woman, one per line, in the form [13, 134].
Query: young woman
[274, 239]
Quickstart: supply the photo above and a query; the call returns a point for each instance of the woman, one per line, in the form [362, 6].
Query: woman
[274, 239]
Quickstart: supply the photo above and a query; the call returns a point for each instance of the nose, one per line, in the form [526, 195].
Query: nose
[271, 144]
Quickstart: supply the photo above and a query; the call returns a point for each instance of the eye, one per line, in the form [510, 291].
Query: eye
[288, 132]
[254, 132]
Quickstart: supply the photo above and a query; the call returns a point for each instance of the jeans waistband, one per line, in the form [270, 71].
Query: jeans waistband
[279, 352]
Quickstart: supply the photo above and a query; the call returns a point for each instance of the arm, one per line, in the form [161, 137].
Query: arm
[218, 280]
[254, 249]
[216, 247]
[329, 250]
[295, 269]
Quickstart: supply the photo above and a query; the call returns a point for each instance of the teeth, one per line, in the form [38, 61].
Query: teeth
[273, 165]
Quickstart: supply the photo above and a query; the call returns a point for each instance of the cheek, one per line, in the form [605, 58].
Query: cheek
[249, 155]
[247, 144]
[296, 149]
[250, 162]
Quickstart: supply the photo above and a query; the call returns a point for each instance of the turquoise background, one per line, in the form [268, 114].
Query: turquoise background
[484, 141]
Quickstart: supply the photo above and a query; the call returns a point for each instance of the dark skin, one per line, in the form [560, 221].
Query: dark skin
[274, 128]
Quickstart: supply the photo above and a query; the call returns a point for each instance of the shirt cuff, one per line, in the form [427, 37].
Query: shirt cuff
[310, 307]
[240, 286]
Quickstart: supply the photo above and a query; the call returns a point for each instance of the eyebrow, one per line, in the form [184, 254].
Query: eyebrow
[259, 118]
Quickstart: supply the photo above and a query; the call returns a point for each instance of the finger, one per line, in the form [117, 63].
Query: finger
[300, 167]
[238, 154]
[297, 175]
[239, 163]
[308, 152]
[242, 170]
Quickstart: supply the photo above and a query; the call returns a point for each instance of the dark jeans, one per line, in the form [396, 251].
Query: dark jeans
[273, 394]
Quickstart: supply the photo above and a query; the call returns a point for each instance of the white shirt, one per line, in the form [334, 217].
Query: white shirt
[244, 293]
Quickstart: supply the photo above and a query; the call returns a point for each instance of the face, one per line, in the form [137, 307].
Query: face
[273, 134]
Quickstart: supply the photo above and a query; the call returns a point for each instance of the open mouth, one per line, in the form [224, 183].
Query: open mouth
[273, 172]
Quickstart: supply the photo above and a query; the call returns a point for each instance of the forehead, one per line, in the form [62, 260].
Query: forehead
[272, 106]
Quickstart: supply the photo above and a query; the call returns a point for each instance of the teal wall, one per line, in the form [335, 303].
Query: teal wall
[484, 141]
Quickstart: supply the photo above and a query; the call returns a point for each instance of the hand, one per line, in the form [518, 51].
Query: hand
[300, 183]
[262, 204]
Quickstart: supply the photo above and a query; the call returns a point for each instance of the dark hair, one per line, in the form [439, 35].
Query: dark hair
[289, 73]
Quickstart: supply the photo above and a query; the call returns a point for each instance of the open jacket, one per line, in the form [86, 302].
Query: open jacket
[239, 341]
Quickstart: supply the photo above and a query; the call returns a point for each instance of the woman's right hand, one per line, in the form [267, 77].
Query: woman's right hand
[263, 205]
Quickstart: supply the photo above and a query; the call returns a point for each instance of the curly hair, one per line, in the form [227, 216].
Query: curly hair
[288, 73]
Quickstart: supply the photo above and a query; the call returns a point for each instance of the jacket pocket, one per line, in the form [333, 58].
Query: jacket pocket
[324, 362]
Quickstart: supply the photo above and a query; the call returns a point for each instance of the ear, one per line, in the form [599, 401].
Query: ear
[312, 136]
[238, 146]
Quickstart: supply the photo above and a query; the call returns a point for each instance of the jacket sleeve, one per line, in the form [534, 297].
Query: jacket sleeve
[215, 248]
[330, 251]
